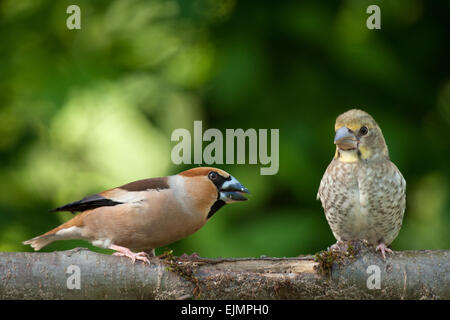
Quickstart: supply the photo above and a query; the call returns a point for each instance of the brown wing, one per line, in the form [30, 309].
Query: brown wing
[115, 196]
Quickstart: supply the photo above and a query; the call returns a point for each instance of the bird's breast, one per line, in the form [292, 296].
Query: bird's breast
[346, 204]
[155, 221]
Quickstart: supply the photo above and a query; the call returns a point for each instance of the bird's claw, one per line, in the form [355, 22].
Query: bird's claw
[334, 247]
[125, 252]
[339, 246]
[383, 248]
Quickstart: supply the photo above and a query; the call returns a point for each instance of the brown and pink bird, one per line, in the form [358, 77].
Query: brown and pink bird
[362, 191]
[147, 214]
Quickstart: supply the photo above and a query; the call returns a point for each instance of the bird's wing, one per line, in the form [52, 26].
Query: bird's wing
[325, 180]
[130, 192]
[87, 203]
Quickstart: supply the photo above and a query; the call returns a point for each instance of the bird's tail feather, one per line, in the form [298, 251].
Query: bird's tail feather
[70, 230]
[40, 241]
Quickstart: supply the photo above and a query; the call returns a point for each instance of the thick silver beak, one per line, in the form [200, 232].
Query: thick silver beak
[345, 139]
[232, 191]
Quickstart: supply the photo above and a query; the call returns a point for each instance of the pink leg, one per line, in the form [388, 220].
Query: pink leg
[334, 247]
[125, 252]
[383, 248]
[337, 246]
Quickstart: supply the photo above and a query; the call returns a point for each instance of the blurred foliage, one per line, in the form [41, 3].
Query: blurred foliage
[86, 110]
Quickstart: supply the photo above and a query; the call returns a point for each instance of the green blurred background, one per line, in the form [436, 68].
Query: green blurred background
[85, 110]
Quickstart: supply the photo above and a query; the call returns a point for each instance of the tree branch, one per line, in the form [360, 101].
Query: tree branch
[405, 275]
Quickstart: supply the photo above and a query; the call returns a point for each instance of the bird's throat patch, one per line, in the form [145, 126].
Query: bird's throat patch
[347, 156]
[216, 206]
[353, 155]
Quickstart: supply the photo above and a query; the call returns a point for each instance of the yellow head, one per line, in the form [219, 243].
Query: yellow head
[358, 136]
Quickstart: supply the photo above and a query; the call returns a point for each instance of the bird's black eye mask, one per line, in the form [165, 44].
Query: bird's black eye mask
[217, 179]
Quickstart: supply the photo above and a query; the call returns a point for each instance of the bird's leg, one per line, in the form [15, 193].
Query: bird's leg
[125, 252]
[338, 246]
[383, 248]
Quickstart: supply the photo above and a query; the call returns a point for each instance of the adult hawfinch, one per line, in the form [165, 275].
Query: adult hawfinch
[147, 214]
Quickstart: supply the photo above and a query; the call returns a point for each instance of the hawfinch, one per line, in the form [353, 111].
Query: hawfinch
[147, 214]
[362, 191]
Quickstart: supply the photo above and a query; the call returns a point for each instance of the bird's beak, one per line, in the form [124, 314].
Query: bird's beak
[345, 139]
[232, 191]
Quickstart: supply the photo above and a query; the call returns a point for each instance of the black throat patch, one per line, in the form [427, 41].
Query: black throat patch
[216, 206]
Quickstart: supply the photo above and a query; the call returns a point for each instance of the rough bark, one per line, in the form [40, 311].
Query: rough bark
[404, 275]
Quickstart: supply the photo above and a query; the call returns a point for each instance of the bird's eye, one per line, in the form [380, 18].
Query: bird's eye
[363, 131]
[212, 175]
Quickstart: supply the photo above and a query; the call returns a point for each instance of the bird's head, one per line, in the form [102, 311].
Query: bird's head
[358, 136]
[212, 188]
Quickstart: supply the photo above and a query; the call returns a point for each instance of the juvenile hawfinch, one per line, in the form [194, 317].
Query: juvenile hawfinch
[362, 191]
[147, 214]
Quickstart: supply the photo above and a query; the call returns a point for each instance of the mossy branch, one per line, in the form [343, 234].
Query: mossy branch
[404, 275]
